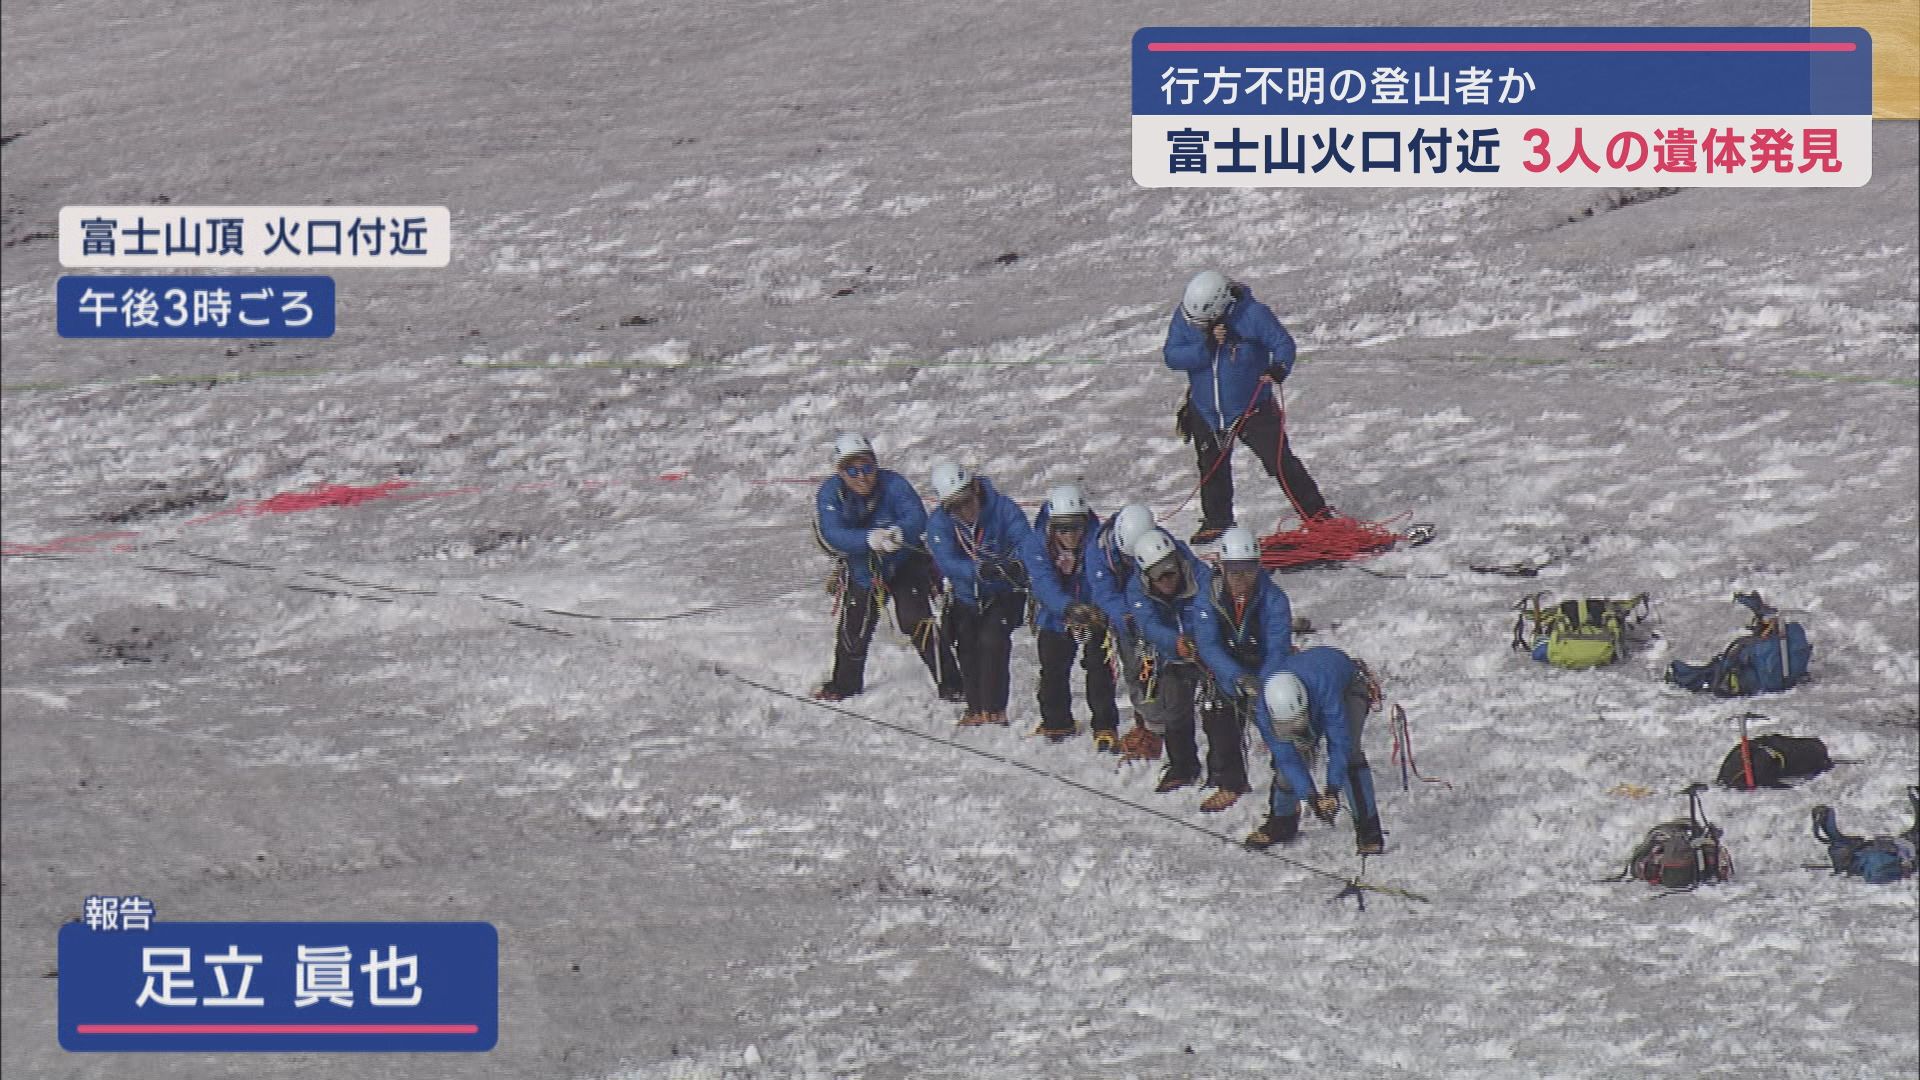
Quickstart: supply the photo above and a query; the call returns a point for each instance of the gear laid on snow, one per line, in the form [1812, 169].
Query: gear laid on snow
[1334, 538]
[1771, 656]
[1681, 854]
[1768, 761]
[1879, 860]
[1578, 634]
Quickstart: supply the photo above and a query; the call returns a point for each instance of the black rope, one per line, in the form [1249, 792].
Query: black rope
[1353, 886]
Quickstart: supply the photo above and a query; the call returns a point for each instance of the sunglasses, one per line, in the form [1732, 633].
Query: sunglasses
[860, 470]
[1067, 526]
[1163, 573]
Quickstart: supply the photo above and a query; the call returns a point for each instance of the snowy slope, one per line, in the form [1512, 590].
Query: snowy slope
[507, 690]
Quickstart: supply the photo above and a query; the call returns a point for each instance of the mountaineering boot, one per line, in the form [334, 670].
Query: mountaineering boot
[1172, 781]
[954, 694]
[1207, 534]
[1367, 837]
[1275, 830]
[828, 692]
[1221, 799]
[1056, 734]
[1106, 741]
[1326, 805]
[1140, 744]
[973, 719]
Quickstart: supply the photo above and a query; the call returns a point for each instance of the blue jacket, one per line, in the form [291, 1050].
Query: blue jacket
[1109, 571]
[1222, 380]
[1255, 642]
[996, 537]
[843, 519]
[1325, 672]
[1052, 592]
[1161, 622]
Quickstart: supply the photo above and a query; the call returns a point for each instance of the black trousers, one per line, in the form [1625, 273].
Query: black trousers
[911, 588]
[1057, 651]
[983, 642]
[1169, 712]
[1264, 434]
[1226, 728]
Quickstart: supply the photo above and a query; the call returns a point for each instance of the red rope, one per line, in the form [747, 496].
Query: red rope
[1319, 539]
[1326, 539]
[1403, 750]
[1225, 447]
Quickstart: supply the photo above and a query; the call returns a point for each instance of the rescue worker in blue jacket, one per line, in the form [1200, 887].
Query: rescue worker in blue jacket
[1109, 567]
[975, 536]
[874, 521]
[1233, 351]
[1162, 598]
[1318, 694]
[1067, 622]
[1243, 625]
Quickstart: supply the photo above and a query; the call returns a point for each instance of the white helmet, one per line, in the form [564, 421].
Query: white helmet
[1153, 547]
[1208, 297]
[949, 480]
[852, 445]
[1287, 700]
[1065, 503]
[1238, 545]
[1128, 525]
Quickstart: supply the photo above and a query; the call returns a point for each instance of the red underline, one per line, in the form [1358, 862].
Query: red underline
[1501, 46]
[278, 1029]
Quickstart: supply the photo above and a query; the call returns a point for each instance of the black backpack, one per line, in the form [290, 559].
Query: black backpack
[1682, 854]
[1771, 760]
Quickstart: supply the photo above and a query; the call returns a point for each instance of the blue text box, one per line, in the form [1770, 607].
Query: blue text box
[194, 306]
[281, 987]
[1540, 71]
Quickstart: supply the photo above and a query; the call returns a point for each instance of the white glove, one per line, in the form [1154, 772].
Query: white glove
[885, 541]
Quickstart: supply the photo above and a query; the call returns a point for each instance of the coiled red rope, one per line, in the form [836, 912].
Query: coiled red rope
[1325, 539]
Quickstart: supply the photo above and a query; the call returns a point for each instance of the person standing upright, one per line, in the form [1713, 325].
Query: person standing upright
[1234, 351]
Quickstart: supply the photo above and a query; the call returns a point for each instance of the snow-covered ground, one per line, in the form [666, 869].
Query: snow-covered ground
[690, 248]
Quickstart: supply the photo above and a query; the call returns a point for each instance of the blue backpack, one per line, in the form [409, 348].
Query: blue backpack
[1770, 657]
[1879, 860]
